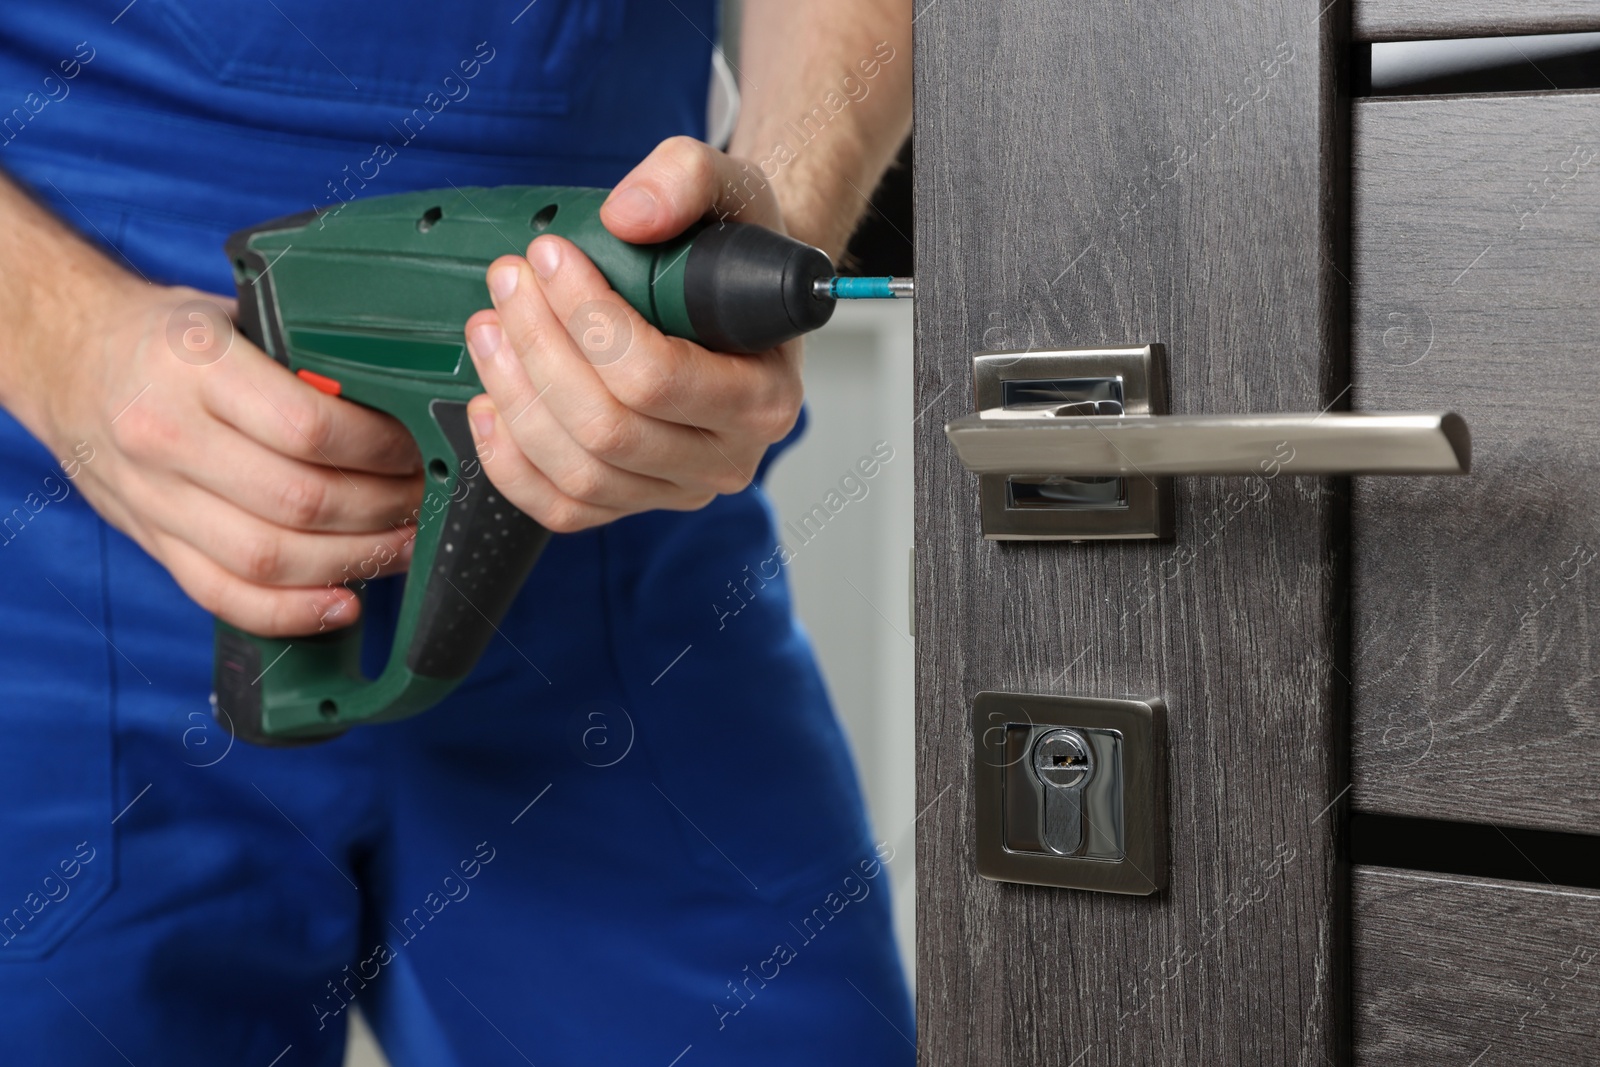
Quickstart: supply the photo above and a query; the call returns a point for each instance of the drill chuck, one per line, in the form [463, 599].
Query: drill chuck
[748, 288]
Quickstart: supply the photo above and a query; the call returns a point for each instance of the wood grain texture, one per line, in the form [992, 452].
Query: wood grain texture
[1454, 971]
[1122, 174]
[1401, 20]
[1477, 289]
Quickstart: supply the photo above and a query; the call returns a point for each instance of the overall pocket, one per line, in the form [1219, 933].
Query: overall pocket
[57, 863]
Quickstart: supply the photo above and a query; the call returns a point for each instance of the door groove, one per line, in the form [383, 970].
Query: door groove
[1478, 850]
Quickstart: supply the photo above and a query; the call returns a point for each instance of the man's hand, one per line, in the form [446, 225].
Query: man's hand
[252, 488]
[591, 413]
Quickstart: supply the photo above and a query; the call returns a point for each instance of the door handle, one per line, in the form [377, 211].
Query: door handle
[1064, 443]
[1076, 444]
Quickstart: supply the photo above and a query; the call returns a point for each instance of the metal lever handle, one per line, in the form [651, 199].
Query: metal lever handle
[1028, 442]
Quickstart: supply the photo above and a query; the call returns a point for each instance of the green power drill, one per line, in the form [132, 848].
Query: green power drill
[369, 302]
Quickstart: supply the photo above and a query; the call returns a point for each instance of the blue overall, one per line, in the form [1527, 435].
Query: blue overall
[633, 836]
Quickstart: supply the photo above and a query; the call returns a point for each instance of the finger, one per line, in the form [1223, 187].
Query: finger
[256, 609]
[261, 399]
[262, 553]
[503, 375]
[668, 378]
[530, 491]
[298, 495]
[584, 477]
[533, 346]
[681, 182]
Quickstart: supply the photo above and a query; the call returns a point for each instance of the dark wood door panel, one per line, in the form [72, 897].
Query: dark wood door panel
[1397, 20]
[1142, 172]
[1461, 972]
[1476, 617]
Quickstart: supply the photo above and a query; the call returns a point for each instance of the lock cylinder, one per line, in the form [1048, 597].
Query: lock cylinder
[1064, 763]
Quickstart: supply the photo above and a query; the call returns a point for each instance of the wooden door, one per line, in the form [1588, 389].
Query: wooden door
[1475, 712]
[1197, 175]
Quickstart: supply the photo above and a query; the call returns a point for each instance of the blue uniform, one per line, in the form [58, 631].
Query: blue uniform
[634, 834]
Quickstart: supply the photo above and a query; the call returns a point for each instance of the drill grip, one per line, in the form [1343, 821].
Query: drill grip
[486, 550]
[473, 551]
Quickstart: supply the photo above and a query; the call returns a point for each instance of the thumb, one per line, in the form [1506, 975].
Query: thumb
[681, 182]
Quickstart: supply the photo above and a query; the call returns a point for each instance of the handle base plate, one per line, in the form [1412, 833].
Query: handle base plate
[1019, 508]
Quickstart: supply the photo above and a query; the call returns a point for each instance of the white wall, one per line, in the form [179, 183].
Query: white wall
[851, 580]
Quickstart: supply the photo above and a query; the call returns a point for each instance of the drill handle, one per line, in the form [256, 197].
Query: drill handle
[473, 551]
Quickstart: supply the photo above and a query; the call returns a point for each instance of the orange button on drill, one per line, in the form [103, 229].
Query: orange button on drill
[319, 381]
